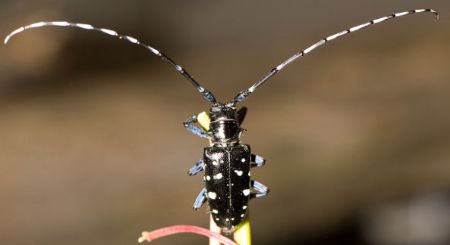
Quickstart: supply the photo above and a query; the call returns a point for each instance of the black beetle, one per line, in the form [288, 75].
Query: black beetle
[226, 162]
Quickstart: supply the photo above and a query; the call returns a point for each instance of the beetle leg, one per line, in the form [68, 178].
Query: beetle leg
[189, 125]
[201, 198]
[258, 189]
[257, 161]
[197, 168]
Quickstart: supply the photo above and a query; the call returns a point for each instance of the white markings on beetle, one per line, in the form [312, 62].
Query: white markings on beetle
[218, 176]
[212, 195]
[246, 192]
[61, 23]
[401, 14]
[355, 28]
[132, 39]
[334, 36]
[244, 207]
[208, 178]
[215, 211]
[38, 24]
[243, 160]
[220, 133]
[242, 215]
[84, 26]
[109, 32]
[314, 46]
[154, 51]
[21, 29]
[238, 172]
[216, 156]
[375, 21]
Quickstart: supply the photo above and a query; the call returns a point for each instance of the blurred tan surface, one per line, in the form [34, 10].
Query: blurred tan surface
[93, 150]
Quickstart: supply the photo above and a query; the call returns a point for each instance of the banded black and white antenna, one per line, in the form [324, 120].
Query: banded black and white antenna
[245, 93]
[207, 95]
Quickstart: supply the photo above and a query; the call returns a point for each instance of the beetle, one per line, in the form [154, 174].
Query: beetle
[226, 162]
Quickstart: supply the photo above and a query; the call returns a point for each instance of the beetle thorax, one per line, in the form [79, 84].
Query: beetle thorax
[224, 126]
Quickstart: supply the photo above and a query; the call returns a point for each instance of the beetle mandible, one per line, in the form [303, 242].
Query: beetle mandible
[226, 161]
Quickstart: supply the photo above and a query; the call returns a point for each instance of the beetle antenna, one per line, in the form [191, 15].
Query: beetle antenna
[245, 93]
[207, 95]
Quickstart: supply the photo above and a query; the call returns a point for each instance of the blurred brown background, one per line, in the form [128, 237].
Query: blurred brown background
[356, 135]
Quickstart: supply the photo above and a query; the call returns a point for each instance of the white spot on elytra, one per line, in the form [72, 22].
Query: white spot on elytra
[227, 219]
[215, 163]
[217, 219]
[242, 215]
[246, 192]
[215, 211]
[243, 160]
[212, 195]
[238, 172]
[218, 176]
[216, 156]
[244, 207]
[249, 174]
[208, 177]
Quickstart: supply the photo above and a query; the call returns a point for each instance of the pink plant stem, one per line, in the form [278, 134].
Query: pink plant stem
[171, 230]
[213, 228]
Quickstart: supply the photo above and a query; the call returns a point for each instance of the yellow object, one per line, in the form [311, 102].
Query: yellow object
[204, 120]
[242, 235]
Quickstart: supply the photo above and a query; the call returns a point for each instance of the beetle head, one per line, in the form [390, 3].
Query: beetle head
[220, 111]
